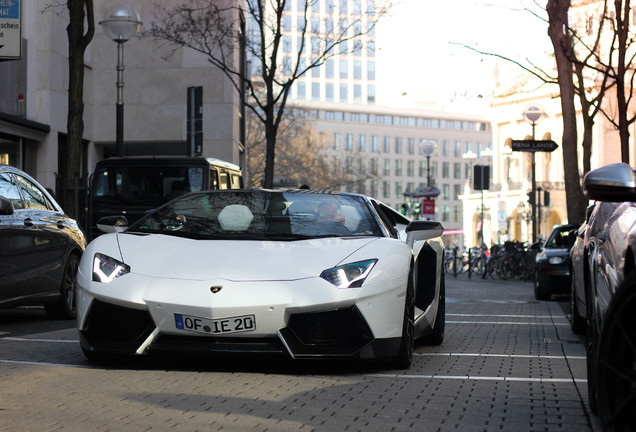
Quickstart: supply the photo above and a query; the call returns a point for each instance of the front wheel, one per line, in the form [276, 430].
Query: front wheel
[65, 308]
[540, 293]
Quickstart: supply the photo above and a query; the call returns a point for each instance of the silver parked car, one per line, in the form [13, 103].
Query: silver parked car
[609, 286]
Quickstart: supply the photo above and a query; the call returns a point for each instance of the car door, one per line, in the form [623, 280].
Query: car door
[19, 260]
[51, 244]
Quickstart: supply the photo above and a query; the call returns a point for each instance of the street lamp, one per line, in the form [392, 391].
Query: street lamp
[120, 23]
[533, 114]
[427, 148]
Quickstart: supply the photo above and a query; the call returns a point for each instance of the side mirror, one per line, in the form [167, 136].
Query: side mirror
[6, 207]
[112, 224]
[419, 230]
[615, 182]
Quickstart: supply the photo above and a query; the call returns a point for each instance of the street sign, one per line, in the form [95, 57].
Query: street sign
[10, 30]
[428, 207]
[534, 145]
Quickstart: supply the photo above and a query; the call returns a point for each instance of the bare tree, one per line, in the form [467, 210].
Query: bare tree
[80, 31]
[561, 38]
[216, 29]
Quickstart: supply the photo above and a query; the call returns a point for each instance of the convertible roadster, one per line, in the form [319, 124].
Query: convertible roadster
[304, 273]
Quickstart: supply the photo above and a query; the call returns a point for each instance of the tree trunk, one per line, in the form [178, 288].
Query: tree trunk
[77, 43]
[622, 32]
[562, 43]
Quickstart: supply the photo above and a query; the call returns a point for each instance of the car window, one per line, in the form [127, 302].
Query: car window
[35, 199]
[259, 214]
[9, 190]
[561, 239]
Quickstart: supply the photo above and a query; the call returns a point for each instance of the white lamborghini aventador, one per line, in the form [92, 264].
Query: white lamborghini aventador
[309, 274]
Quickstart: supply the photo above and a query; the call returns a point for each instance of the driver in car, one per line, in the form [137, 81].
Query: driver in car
[329, 212]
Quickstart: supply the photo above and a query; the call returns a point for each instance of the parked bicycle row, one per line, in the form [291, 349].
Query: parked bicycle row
[512, 260]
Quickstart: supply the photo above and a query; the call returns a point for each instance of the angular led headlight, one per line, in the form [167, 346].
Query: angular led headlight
[349, 275]
[106, 269]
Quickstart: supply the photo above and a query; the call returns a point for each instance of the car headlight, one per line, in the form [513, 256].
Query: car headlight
[106, 269]
[350, 275]
[556, 260]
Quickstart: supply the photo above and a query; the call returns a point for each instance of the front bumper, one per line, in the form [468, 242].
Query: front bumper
[337, 333]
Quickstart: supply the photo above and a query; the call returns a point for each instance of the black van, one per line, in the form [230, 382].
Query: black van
[134, 185]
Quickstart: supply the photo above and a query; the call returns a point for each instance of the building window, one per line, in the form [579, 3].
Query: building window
[410, 146]
[371, 70]
[343, 69]
[386, 189]
[329, 92]
[398, 190]
[457, 210]
[315, 91]
[301, 90]
[357, 93]
[445, 213]
[398, 145]
[349, 142]
[457, 170]
[398, 168]
[373, 164]
[343, 93]
[362, 143]
[371, 94]
[457, 149]
[445, 170]
[422, 168]
[286, 44]
[446, 192]
[457, 191]
[337, 140]
[374, 143]
[445, 148]
[357, 69]
[329, 68]
[386, 169]
[410, 168]
[386, 145]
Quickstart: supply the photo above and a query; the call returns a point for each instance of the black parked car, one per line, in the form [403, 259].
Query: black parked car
[40, 247]
[609, 293]
[552, 265]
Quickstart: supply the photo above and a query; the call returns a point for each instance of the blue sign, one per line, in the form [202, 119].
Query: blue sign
[10, 30]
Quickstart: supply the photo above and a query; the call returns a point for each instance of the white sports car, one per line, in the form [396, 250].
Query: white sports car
[310, 274]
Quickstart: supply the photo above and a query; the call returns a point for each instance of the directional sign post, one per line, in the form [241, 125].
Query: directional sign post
[534, 145]
[10, 30]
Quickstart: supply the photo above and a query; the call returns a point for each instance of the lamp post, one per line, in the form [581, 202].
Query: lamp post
[488, 153]
[427, 148]
[120, 23]
[532, 114]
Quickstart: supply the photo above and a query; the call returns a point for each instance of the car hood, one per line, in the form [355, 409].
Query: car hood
[237, 260]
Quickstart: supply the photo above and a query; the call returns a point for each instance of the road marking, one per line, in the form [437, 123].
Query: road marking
[507, 323]
[536, 356]
[481, 378]
[17, 339]
[34, 363]
[507, 316]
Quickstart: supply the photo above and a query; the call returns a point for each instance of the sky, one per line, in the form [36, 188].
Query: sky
[420, 58]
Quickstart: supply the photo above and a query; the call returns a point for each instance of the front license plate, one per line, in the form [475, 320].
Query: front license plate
[235, 324]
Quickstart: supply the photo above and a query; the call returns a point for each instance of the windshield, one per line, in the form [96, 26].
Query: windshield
[561, 239]
[136, 184]
[256, 214]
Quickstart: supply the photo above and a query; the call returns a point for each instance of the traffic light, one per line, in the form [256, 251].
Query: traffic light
[546, 198]
[481, 177]
[404, 208]
[417, 208]
[530, 197]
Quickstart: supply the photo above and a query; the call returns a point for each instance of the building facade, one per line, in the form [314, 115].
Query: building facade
[34, 94]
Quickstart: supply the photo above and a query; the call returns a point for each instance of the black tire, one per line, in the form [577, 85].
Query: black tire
[404, 357]
[540, 293]
[509, 267]
[436, 337]
[616, 361]
[577, 322]
[64, 307]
